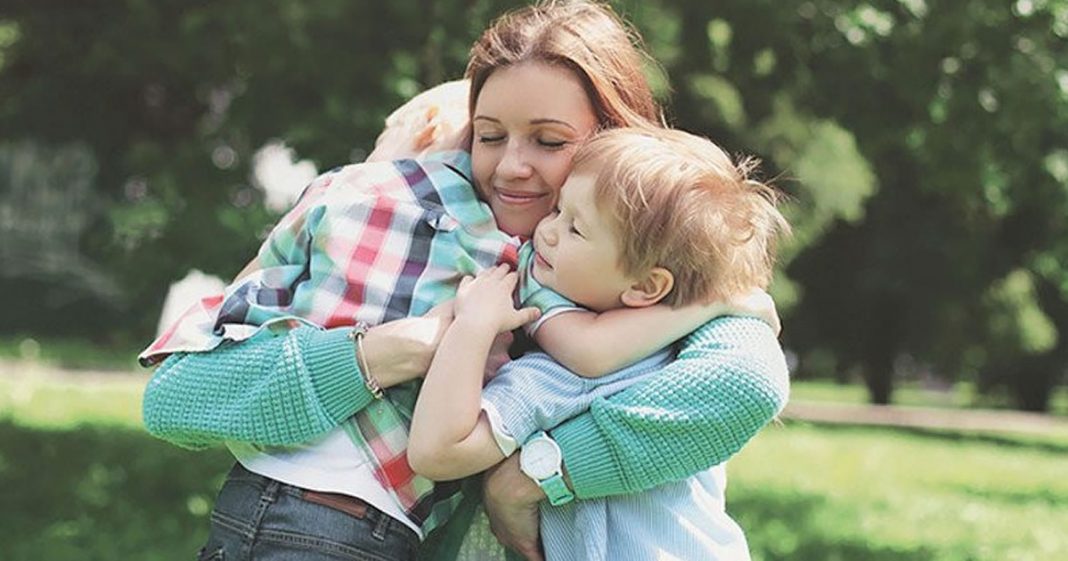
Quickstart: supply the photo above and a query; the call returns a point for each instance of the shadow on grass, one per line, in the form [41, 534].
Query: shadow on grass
[1048, 497]
[103, 493]
[1022, 442]
[783, 525]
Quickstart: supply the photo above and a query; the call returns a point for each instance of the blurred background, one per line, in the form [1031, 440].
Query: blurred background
[924, 146]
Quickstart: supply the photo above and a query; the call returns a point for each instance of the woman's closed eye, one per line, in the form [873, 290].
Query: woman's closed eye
[552, 143]
[488, 138]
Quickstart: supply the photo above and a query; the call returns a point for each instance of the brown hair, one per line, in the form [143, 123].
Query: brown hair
[585, 37]
[678, 202]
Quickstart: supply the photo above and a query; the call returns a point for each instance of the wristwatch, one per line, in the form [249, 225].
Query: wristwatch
[542, 461]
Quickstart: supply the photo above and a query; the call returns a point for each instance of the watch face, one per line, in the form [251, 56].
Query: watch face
[540, 458]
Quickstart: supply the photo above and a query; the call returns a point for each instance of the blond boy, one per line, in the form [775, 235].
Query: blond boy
[647, 218]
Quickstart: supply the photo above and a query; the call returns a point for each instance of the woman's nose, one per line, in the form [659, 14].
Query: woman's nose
[513, 164]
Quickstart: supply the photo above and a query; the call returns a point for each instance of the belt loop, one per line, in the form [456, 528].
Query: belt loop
[381, 526]
[268, 496]
[270, 493]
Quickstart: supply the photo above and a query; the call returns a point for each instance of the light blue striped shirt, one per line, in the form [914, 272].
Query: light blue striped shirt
[684, 520]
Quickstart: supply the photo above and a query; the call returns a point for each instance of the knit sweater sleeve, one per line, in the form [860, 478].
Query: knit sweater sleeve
[272, 389]
[729, 380]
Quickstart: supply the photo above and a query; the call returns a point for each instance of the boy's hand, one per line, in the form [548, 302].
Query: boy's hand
[756, 304]
[486, 300]
[432, 121]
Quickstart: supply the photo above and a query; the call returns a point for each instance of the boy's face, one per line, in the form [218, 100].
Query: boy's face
[577, 250]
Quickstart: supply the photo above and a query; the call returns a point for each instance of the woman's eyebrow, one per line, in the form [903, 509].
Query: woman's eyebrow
[543, 121]
[547, 121]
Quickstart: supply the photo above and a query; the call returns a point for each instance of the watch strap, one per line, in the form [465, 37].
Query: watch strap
[556, 490]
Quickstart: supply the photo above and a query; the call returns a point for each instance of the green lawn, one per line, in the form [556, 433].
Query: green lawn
[959, 395]
[81, 480]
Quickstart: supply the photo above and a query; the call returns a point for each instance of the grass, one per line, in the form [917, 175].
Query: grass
[72, 353]
[958, 396]
[81, 480]
[841, 493]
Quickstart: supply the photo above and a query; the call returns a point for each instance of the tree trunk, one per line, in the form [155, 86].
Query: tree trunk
[1034, 382]
[880, 384]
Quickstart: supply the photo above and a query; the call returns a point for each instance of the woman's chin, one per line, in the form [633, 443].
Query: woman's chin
[520, 228]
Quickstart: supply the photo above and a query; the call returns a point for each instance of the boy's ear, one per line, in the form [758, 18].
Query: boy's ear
[651, 289]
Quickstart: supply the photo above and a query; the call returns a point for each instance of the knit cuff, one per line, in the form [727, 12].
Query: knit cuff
[590, 463]
[331, 362]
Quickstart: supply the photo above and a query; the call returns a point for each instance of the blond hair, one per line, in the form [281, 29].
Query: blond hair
[677, 201]
[587, 38]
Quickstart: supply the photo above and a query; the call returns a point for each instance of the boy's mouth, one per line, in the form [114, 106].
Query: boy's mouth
[541, 260]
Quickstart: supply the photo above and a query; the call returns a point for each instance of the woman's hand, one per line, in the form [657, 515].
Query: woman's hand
[498, 356]
[511, 501]
[486, 301]
[401, 350]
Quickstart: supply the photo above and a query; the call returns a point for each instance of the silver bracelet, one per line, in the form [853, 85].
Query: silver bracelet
[356, 335]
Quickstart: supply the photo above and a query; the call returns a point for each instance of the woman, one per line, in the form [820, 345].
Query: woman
[542, 80]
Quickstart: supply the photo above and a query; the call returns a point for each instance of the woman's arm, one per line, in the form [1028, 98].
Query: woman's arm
[283, 389]
[729, 380]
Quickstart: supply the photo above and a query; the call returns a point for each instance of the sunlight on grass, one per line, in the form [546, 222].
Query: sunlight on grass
[34, 398]
[86, 481]
[899, 495]
[959, 395]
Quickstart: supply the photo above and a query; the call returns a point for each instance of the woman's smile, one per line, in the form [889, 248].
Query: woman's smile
[517, 197]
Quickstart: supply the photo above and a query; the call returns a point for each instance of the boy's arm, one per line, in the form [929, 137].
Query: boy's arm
[450, 437]
[592, 344]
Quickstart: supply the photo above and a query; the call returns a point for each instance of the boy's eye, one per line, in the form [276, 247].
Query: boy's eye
[575, 231]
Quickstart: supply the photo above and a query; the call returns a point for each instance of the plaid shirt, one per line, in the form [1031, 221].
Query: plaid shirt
[368, 242]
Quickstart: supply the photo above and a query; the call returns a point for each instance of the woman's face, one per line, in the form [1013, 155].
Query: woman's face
[529, 120]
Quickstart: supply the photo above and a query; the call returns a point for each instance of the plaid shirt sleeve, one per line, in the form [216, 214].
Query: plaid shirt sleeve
[262, 295]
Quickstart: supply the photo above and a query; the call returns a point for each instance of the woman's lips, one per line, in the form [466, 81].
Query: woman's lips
[518, 197]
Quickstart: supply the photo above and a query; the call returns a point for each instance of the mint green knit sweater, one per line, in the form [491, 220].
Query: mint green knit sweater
[729, 380]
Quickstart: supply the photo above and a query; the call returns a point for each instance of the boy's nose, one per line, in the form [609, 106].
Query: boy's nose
[549, 232]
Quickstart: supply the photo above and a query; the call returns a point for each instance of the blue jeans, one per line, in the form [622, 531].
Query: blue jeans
[258, 518]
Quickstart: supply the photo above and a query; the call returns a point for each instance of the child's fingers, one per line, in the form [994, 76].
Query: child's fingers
[522, 317]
